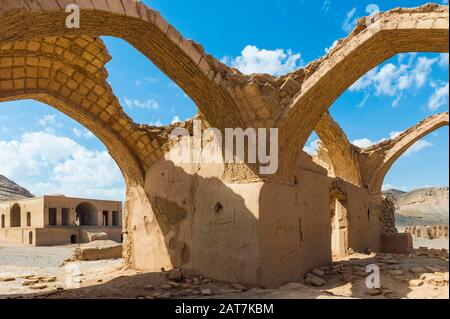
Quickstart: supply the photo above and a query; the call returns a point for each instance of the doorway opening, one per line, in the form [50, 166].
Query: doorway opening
[105, 218]
[15, 215]
[339, 226]
[28, 219]
[86, 214]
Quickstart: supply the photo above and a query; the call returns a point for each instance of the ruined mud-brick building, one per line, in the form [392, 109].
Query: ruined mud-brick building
[223, 220]
[56, 220]
[428, 232]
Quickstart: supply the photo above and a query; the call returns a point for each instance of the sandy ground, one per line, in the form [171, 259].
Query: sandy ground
[401, 276]
[25, 263]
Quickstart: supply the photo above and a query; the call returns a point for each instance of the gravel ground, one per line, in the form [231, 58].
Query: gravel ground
[18, 264]
[36, 257]
[421, 275]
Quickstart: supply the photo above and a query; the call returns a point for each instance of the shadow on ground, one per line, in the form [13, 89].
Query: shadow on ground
[401, 277]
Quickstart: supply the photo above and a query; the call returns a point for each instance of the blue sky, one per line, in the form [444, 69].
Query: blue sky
[48, 152]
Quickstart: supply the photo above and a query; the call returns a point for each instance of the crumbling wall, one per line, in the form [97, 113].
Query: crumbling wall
[429, 232]
[388, 217]
[260, 233]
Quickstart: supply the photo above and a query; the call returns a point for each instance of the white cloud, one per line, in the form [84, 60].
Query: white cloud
[366, 142]
[276, 62]
[149, 104]
[86, 167]
[423, 70]
[156, 123]
[332, 46]
[364, 100]
[77, 132]
[394, 134]
[47, 163]
[391, 79]
[49, 122]
[363, 142]
[175, 119]
[146, 80]
[418, 146]
[386, 187]
[82, 133]
[311, 149]
[326, 5]
[349, 22]
[50, 188]
[396, 101]
[439, 97]
[34, 153]
[443, 60]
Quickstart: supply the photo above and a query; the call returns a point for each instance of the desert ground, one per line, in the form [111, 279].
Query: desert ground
[41, 272]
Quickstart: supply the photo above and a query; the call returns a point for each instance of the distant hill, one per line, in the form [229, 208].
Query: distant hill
[393, 192]
[426, 206]
[11, 191]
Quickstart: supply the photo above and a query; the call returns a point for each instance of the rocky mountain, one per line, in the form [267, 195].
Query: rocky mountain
[10, 190]
[393, 192]
[426, 206]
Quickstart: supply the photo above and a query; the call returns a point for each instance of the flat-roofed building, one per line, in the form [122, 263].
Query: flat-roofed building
[57, 220]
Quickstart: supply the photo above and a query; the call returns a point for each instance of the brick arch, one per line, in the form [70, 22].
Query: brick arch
[42, 70]
[181, 60]
[59, 71]
[386, 153]
[338, 149]
[423, 29]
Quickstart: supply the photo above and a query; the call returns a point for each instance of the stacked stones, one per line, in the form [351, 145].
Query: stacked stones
[388, 217]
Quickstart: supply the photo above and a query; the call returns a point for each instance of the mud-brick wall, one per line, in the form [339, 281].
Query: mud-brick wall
[257, 233]
[11, 235]
[295, 227]
[207, 224]
[364, 220]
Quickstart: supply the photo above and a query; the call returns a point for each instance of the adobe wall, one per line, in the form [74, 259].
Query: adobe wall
[54, 236]
[364, 220]
[255, 232]
[61, 235]
[34, 206]
[71, 203]
[11, 235]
